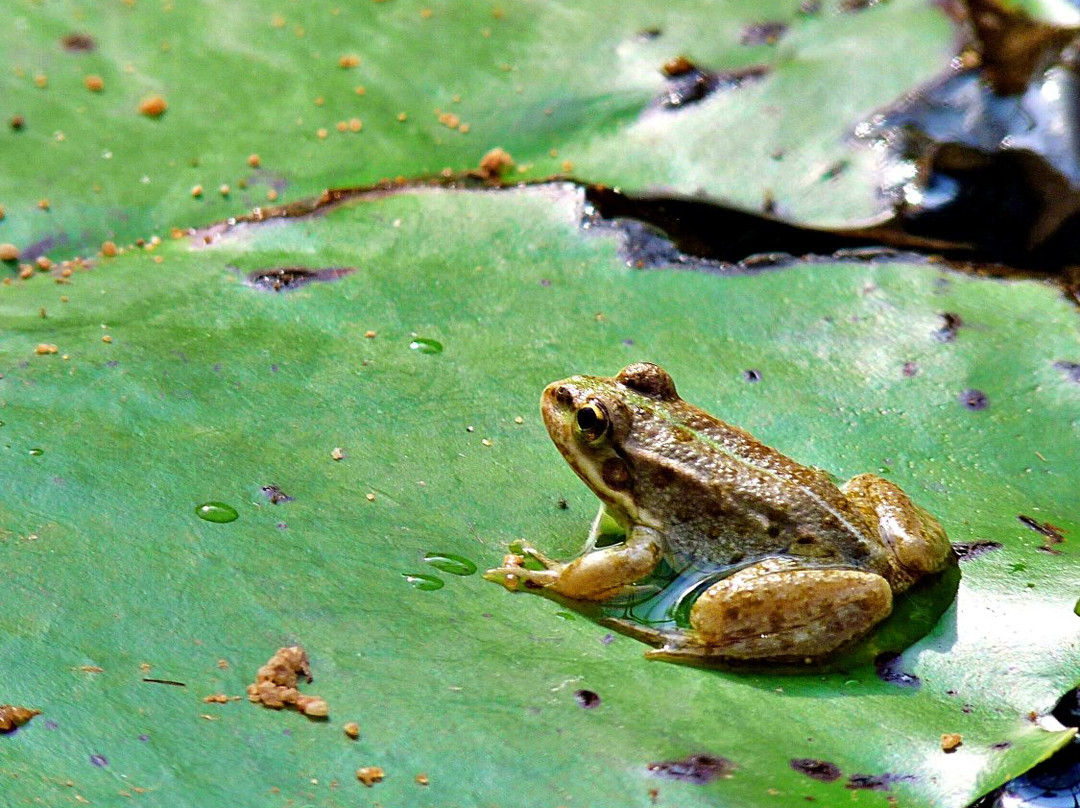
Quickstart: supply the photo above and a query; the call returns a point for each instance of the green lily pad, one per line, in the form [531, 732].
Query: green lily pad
[352, 459]
[567, 88]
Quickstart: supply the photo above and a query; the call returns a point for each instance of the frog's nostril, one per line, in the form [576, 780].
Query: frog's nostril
[564, 396]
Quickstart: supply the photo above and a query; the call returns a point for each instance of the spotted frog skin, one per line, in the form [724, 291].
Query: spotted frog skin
[815, 566]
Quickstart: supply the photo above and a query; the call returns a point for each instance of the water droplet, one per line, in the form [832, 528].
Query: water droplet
[35, 452]
[425, 345]
[217, 512]
[426, 583]
[453, 564]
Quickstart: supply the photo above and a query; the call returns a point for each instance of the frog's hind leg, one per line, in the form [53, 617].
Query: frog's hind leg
[781, 609]
[916, 539]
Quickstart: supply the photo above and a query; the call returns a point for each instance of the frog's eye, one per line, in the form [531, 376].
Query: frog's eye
[592, 421]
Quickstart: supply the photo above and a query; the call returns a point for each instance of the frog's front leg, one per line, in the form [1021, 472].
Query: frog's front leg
[778, 609]
[596, 575]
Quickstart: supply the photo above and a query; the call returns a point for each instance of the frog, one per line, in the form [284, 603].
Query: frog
[811, 566]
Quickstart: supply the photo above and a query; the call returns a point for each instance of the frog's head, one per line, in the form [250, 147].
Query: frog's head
[590, 419]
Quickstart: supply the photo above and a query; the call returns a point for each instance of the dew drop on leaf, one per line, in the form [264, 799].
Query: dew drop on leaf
[425, 583]
[425, 345]
[217, 512]
[453, 564]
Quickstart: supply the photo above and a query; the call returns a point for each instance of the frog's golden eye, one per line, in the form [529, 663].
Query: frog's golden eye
[592, 421]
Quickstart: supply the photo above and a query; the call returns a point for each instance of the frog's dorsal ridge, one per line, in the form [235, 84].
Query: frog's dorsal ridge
[649, 380]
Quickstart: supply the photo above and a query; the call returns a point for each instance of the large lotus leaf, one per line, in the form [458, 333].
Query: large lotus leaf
[565, 87]
[175, 384]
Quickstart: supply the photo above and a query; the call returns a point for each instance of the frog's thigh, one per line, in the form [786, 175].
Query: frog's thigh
[916, 538]
[773, 609]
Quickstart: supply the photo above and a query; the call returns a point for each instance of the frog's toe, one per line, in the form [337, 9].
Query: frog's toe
[536, 555]
[512, 578]
[504, 576]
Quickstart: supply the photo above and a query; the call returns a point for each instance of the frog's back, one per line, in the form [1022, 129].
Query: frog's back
[725, 498]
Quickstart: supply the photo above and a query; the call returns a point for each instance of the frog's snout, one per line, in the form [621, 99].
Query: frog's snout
[557, 404]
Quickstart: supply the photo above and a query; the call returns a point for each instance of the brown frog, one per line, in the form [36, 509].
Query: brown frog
[815, 566]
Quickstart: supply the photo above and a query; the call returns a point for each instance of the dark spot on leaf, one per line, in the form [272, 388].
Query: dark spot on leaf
[697, 769]
[78, 43]
[877, 782]
[99, 760]
[689, 84]
[607, 639]
[587, 699]
[910, 369]
[649, 34]
[275, 494]
[280, 279]
[17, 122]
[974, 399]
[950, 324]
[752, 376]
[563, 505]
[763, 33]
[1052, 533]
[997, 747]
[821, 770]
[1070, 369]
[967, 550]
[835, 170]
[887, 667]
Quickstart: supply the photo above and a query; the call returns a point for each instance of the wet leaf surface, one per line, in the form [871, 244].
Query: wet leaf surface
[207, 391]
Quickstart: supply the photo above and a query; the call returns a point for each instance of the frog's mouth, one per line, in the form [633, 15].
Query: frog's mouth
[559, 407]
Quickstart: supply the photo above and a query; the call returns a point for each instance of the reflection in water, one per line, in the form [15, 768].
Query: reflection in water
[1054, 783]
